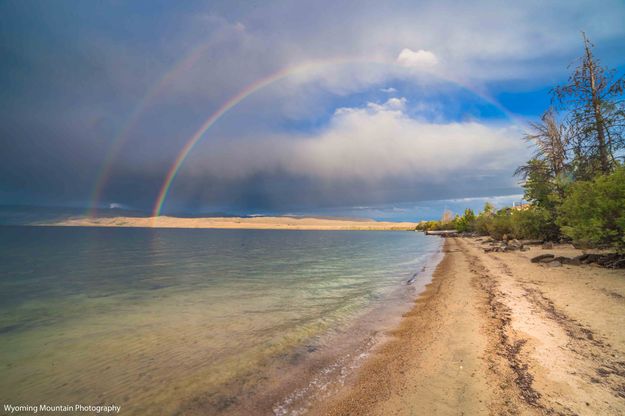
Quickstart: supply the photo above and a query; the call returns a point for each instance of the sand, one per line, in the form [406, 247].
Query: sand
[266, 223]
[496, 334]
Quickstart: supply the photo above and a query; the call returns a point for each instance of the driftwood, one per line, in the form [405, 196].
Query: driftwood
[441, 232]
[611, 260]
[543, 258]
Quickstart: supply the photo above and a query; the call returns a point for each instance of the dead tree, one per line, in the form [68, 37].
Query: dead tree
[593, 98]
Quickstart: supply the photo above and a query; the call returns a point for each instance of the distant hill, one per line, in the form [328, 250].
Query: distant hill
[267, 223]
[27, 215]
[37, 215]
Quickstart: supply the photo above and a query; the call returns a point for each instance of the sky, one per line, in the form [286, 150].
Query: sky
[394, 110]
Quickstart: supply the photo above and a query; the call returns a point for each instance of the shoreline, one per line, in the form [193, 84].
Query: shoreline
[354, 353]
[494, 333]
[315, 371]
[254, 223]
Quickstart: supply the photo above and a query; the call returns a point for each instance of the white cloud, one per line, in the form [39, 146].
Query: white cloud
[495, 198]
[525, 42]
[370, 144]
[393, 104]
[389, 90]
[420, 59]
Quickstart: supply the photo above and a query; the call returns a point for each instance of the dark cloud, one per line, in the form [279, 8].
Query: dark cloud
[74, 75]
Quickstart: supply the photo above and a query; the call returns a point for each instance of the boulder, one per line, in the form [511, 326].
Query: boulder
[525, 248]
[543, 258]
[554, 264]
[547, 245]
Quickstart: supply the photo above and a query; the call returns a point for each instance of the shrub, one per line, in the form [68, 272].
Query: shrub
[593, 212]
[501, 224]
[534, 223]
[483, 224]
[466, 223]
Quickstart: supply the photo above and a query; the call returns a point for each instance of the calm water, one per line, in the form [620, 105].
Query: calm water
[194, 321]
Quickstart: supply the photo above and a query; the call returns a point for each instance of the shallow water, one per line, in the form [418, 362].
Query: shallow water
[193, 321]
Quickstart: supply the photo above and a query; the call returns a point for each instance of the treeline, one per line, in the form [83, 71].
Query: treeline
[575, 181]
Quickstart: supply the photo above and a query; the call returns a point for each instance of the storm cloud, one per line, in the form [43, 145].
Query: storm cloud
[371, 144]
[378, 103]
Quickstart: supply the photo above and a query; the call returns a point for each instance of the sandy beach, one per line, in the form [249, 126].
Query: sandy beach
[253, 223]
[496, 334]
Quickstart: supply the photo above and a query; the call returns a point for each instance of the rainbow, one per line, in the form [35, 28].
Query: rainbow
[232, 102]
[270, 79]
[122, 136]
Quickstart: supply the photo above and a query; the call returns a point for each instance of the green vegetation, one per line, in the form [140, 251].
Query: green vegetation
[529, 223]
[575, 182]
[593, 212]
[466, 223]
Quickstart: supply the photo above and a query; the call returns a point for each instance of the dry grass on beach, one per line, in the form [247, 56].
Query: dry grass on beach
[496, 334]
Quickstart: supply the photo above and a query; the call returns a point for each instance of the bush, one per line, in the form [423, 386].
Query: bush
[435, 226]
[501, 225]
[483, 224]
[593, 212]
[534, 223]
[466, 223]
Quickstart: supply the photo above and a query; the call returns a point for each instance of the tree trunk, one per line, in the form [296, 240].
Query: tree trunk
[599, 125]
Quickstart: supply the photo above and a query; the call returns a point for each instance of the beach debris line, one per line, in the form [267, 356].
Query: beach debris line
[608, 260]
[611, 260]
[505, 245]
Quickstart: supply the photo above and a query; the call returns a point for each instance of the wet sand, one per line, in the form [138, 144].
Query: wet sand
[255, 223]
[496, 334]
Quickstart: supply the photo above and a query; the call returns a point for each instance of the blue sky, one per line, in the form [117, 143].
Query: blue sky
[393, 110]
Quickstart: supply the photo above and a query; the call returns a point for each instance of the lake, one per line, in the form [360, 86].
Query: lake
[197, 321]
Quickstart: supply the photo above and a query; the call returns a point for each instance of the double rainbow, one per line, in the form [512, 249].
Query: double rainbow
[146, 102]
[231, 103]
